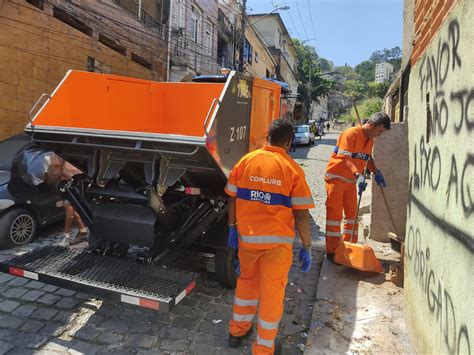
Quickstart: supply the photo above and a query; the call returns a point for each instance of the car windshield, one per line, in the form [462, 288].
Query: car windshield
[301, 129]
[9, 148]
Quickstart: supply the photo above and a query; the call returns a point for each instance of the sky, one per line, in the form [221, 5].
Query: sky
[345, 31]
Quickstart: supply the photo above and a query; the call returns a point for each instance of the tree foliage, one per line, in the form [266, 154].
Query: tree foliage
[365, 71]
[366, 108]
[309, 66]
[378, 89]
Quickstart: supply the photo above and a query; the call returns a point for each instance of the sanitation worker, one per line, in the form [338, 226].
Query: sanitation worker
[269, 197]
[353, 151]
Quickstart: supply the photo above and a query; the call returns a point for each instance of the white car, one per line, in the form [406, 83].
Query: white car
[303, 135]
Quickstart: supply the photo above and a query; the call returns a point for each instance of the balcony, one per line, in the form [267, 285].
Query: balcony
[226, 28]
[141, 15]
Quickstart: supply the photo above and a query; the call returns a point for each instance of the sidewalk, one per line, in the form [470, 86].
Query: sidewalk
[358, 312]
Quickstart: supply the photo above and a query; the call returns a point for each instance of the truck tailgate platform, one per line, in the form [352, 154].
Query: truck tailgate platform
[145, 285]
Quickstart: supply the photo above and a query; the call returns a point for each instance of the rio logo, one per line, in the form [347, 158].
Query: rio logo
[261, 196]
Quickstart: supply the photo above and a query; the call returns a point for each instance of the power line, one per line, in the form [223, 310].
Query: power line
[312, 22]
[71, 61]
[114, 33]
[301, 18]
[293, 23]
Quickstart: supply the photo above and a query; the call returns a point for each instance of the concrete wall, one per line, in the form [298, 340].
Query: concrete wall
[37, 49]
[439, 251]
[391, 157]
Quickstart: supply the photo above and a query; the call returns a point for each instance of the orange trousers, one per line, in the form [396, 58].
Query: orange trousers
[262, 281]
[341, 197]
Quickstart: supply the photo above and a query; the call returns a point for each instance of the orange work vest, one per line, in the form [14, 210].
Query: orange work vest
[350, 155]
[268, 184]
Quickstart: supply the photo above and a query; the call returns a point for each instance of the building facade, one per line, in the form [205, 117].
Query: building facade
[199, 29]
[258, 61]
[272, 30]
[383, 72]
[439, 246]
[41, 40]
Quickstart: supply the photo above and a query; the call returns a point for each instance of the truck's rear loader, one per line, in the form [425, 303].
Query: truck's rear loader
[155, 158]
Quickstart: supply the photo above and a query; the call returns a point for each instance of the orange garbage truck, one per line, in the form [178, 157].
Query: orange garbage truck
[155, 158]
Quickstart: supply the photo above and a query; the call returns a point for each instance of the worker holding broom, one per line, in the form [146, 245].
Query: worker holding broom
[351, 156]
[269, 197]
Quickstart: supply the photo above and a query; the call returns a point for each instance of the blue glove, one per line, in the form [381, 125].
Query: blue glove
[305, 259]
[380, 179]
[233, 240]
[237, 266]
[361, 184]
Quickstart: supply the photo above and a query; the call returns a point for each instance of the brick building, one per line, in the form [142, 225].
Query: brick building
[41, 40]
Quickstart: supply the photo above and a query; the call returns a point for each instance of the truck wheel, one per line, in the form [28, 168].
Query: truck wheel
[225, 271]
[17, 227]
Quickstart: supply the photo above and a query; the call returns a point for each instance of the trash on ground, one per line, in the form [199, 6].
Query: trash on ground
[216, 321]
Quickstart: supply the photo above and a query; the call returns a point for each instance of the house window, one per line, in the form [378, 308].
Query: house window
[142, 61]
[247, 52]
[37, 3]
[181, 15]
[208, 37]
[61, 15]
[195, 25]
[256, 57]
[112, 44]
[267, 73]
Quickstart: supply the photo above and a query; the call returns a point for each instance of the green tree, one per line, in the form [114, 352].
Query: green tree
[378, 89]
[325, 65]
[309, 67]
[365, 71]
[356, 90]
[392, 56]
[347, 71]
[366, 108]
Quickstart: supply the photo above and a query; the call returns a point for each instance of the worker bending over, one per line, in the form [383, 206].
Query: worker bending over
[349, 159]
[269, 196]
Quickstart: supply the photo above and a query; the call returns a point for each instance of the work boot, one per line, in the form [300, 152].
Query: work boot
[235, 342]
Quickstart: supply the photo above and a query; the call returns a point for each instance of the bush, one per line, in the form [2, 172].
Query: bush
[366, 109]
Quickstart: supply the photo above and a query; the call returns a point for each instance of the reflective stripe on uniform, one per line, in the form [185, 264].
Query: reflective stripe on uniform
[344, 152]
[243, 317]
[251, 239]
[334, 176]
[347, 231]
[301, 201]
[333, 234]
[245, 303]
[349, 221]
[333, 223]
[264, 342]
[268, 325]
[231, 187]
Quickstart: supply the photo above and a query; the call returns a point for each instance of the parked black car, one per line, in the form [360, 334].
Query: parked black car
[23, 208]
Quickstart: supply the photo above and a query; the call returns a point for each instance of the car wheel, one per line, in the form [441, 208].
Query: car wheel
[17, 227]
[225, 267]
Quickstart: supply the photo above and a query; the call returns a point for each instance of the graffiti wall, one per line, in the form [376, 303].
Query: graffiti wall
[439, 252]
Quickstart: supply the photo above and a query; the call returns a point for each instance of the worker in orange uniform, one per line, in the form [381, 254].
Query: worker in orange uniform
[269, 197]
[349, 159]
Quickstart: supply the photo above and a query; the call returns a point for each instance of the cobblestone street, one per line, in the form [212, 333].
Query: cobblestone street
[40, 318]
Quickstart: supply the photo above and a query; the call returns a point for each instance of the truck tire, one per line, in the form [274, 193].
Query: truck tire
[17, 227]
[225, 271]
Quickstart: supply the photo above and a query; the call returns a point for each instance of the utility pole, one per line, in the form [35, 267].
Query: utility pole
[242, 36]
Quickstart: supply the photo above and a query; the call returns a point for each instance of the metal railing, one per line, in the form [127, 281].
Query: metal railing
[141, 15]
